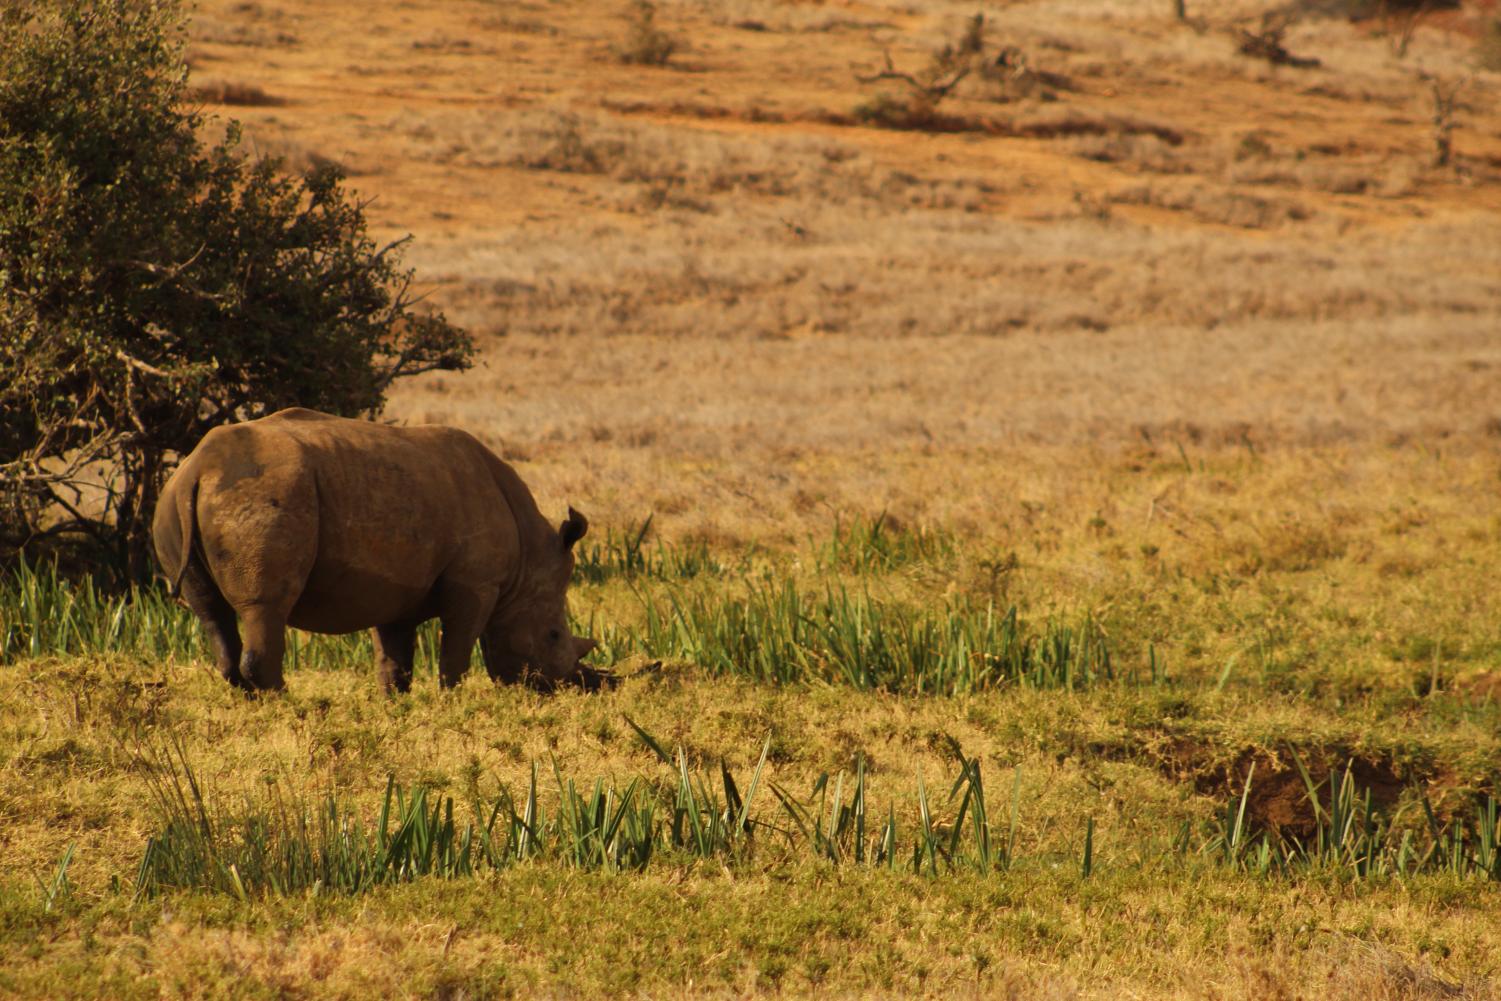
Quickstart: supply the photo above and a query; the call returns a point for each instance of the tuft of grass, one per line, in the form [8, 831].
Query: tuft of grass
[626, 555]
[42, 613]
[645, 44]
[57, 890]
[776, 633]
[881, 544]
[279, 844]
[282, 844]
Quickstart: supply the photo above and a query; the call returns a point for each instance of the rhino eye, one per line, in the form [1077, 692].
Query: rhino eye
[554, 635]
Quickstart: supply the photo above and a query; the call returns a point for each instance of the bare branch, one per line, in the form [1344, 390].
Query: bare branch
[170, 272]
[173, 276]
[136, 363]
[130, 397]
[1446, 96]
[89, 525]
[396, 244]
[933, 89]
[29, 470]
[402, 371]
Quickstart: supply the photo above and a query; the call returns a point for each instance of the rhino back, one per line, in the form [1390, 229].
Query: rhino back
[361, 519]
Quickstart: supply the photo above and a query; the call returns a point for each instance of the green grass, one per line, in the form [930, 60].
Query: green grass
[43, 613]
[281, 843]
[277, 841]
[778, 633]
[1352, 839]
[880, 544]
[626, 555]
[773, 632]
[1237, 748]
[190, 825]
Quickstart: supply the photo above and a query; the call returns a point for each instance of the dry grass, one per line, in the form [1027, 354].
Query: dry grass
[76, 733]
[1488, 45]
[234, 94]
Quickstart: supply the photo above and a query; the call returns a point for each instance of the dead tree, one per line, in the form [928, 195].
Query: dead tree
[1266, 42]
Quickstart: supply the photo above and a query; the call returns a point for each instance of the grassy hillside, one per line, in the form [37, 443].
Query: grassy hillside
[1025, 797]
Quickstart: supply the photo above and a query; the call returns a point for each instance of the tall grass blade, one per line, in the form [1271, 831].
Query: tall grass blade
[1088, 865]
[650, 742]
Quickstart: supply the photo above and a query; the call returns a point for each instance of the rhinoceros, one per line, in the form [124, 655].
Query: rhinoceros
[334, 525]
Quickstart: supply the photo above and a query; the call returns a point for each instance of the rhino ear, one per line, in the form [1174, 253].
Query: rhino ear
[573, 529]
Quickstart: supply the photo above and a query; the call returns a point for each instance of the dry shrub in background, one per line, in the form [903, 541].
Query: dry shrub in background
[970, 60]
[1266, 42]
[1445, 94]
[645, 44]
[690, 162]
[1488, 45]
[915, 107]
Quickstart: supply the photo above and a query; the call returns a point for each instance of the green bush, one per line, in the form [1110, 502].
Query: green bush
[153, 286]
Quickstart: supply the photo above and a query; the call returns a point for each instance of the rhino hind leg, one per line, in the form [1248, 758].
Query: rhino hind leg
[265, 643]
[203, 596]
[395, 648]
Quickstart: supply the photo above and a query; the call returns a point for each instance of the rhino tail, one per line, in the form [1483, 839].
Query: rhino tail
[187, 524]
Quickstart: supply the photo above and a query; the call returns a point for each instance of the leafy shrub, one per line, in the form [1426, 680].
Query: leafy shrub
[153, 287]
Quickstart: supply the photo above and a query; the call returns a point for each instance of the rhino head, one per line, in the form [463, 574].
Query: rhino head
[530, 635]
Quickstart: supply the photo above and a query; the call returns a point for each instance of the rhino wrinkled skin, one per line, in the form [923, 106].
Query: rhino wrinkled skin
[334, 525]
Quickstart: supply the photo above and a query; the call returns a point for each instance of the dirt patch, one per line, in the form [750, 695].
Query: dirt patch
[1482, 687]
[1279, 799]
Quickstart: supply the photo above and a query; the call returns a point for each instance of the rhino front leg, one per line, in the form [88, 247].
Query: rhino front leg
[395, 647]
[265, 642]
[463, 613]
[503, 668]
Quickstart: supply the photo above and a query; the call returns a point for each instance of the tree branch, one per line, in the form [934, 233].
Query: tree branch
[933, 89]
[173, 275]
[90, 525]
[141, 366]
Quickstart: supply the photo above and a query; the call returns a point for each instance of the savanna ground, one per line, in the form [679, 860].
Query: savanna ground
[1184, 355]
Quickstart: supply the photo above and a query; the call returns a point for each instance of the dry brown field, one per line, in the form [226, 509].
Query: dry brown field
[703, 290]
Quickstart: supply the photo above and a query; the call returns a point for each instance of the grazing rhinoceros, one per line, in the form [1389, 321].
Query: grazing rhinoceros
[335, 525]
